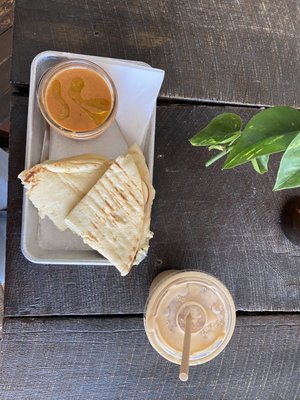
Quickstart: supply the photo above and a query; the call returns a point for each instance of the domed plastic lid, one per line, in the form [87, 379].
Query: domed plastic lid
[208, 301]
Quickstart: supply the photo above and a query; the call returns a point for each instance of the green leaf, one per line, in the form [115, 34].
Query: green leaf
[260, 164]
[268, 132]
[224, 128]
[288, 175]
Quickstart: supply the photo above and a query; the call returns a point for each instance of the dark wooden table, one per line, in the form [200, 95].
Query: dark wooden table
[6, 30]
[76, 332]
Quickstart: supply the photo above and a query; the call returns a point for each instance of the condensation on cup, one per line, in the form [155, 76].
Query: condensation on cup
[175, 294]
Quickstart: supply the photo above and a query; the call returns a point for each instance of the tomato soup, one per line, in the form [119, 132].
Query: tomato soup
[78, 99]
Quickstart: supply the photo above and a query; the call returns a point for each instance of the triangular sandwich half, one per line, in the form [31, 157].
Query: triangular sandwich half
[55, 187]
[110, 218]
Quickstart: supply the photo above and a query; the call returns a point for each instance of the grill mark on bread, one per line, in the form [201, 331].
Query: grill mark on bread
[133, 196]
[133, 257]
[125, 173]
[129, 190]
[94, 225]
[97, 227]
[109, 205]
[114, 199]
[122, 169]
[99, 247]
[99, 218]
[114, 220]
[120, 193]
[111, 215]
[31, 175]
[96, 244]
[131, 181]
[90, 236]
[101, 197]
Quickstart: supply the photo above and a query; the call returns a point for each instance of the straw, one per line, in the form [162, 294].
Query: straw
[185, 359]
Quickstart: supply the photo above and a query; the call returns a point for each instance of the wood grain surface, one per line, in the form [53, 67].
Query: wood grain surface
[6, 31]
[110, 359]
[4, 115]
[6, 14]
[215, 50]
[222, 222]
[6, 45]
[4, 73]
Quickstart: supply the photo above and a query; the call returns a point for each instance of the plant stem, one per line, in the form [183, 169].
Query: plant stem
[218, 156]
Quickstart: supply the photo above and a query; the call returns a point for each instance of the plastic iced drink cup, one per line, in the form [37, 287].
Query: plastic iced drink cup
[175, 294]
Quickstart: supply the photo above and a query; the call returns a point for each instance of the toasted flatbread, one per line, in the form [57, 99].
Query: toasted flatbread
[55, 187]
[149, 194]
[110, 218]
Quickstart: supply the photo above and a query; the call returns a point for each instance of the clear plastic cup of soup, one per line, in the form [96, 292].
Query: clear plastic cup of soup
[78, 99]
[175, 294]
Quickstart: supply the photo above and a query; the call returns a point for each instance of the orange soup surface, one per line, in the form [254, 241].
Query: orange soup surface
[78, 99]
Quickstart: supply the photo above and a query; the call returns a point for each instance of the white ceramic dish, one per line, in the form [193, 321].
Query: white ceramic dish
[41, 242]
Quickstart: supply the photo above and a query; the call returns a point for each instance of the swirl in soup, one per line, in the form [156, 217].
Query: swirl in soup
[78, 99]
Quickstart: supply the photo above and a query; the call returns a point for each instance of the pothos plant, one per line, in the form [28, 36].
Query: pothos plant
[270, 131]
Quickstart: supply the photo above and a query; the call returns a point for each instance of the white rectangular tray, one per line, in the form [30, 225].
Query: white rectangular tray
[41, 241]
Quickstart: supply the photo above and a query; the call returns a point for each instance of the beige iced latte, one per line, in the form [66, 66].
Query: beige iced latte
[175, 294]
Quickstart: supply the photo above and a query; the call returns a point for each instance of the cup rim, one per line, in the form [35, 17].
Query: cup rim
[73, 63]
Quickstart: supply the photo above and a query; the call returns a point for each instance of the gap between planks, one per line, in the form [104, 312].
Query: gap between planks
[239, 314]
[22, 89]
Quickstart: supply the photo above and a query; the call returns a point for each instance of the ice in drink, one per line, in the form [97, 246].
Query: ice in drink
[173, 295]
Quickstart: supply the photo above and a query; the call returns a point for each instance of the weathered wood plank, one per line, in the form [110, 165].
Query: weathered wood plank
[6, 14]
[220, 50]
[4, 74]
[222, 222]
[6, 45]
[4, 111]
[5, 68]
[96, 358]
